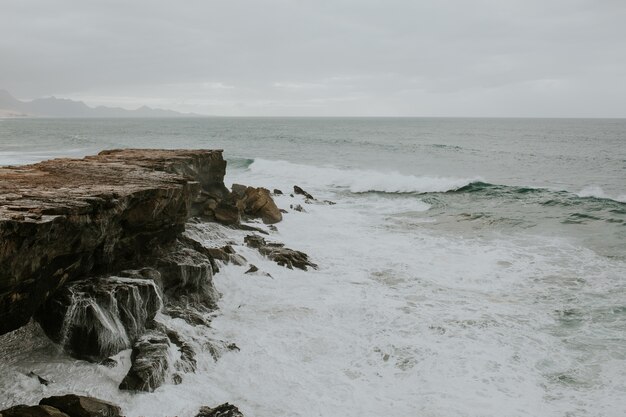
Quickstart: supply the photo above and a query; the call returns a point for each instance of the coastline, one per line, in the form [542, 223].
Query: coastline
[95, 250]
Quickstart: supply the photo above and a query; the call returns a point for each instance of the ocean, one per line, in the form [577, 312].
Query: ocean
[470, 267]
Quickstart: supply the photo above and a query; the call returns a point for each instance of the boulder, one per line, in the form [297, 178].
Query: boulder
[80, 406]
[256, 202]
[150, 363]
[300, 191]
[223, 410]
[283, 256]
[32, 411]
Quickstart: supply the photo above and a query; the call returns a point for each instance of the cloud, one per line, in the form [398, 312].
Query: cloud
[341, 57]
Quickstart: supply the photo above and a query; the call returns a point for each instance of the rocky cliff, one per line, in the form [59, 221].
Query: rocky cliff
[67, 218]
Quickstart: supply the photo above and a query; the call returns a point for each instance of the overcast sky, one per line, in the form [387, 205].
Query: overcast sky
[546, 58]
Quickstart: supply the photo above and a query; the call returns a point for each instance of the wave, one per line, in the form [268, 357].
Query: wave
[239, 163]
[595, 191]
[370, 181]
[358, 180]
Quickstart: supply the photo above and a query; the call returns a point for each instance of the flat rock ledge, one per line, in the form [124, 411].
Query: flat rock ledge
[66, 218]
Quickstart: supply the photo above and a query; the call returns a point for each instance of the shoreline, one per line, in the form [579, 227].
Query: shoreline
[94, 251]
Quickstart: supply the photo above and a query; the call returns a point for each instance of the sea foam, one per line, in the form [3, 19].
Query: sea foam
[357, 180]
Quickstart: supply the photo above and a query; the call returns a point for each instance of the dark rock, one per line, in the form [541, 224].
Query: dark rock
[187, 313]
[233, 346]
[297, 207]
[32, 411]
[249, 228]
[277, 191]
[254, 241]
[41, 380]
[187, 361]
[286, 257]
[252, 269]
[69, 218]
[227, 213]
[227, 254]
[177, 379]
[223, 410]
[80, 406]
[149, 363]
[330, 203]
[187, 276]
[97, 318]
[300, 191]
[272, 228]
[283, 211]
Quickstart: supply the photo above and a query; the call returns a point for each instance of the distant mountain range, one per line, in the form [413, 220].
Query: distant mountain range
[62, 107]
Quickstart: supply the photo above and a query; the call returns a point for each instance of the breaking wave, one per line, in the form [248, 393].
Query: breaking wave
[358, 180]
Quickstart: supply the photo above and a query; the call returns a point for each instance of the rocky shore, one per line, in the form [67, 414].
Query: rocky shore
[94, 250]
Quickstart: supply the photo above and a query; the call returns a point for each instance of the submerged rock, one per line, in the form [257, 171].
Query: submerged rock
[42, 381]
[223, 410]
[150, 363]
[80, 406]
[283, 256]
[97, 318]
[300, 191]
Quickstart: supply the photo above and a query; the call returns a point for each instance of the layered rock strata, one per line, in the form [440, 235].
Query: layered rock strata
[66, 218]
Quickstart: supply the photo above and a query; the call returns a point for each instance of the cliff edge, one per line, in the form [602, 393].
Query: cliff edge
[66, 218]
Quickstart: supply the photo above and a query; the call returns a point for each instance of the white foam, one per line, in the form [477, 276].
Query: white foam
[396, 322]
[597, 192]
[356, 180]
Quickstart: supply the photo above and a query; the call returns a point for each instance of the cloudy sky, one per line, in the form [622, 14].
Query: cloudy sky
[546, 58]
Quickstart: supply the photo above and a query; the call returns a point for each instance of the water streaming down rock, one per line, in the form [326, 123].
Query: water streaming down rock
[95, 318]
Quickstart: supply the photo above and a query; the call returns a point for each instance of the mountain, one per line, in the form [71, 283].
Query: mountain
[62, 107]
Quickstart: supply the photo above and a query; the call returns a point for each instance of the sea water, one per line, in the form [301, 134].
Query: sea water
[470, 267]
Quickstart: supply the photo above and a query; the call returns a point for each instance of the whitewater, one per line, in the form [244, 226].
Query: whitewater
[466, 269]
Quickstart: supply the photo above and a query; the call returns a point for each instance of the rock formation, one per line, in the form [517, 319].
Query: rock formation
[94, 248]
[278, 253]
[67, 218]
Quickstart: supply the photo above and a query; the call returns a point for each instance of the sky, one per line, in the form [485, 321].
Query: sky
[458, 58]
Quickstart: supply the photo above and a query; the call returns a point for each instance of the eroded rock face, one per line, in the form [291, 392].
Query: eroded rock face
[150, 363]
[95, 318]
[67, 218]
[81, 406]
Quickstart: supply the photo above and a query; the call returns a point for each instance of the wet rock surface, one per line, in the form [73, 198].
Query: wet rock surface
[223, 410]
[81, 406]
[65, 406]
[32, 411]
[278, 253]
[300, 191]
[150, 363]
[95, 318]
[66, 218]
